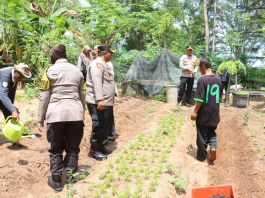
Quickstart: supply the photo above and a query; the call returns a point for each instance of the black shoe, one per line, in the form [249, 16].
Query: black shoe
[104, 150]
[55, 182]
[187, 104]
[97, 155]
[111, 138]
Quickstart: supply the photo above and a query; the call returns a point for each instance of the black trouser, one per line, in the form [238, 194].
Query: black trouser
[4, 110]
[182, 87]
[225, 85]
[205, 135]
[64, 136]
[100, 123]
[110, 132]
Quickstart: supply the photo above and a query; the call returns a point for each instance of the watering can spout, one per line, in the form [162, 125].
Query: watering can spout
[27, 136]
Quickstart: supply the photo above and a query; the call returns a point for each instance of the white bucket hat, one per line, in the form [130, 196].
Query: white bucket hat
[23, 69]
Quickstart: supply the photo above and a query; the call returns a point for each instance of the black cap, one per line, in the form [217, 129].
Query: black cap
[189, 47]
[102, 48]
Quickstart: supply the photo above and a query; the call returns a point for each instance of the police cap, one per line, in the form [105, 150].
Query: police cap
[102, 48]
[189, 47]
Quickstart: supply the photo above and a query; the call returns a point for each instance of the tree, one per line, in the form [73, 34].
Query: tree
[207, 37]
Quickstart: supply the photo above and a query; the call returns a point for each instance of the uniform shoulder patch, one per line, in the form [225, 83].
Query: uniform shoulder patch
[196, 62]
[45, 82]
[5, 84]
[98, 65]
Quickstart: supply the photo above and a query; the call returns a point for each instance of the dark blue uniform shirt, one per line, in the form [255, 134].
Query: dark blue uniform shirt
[7, 88]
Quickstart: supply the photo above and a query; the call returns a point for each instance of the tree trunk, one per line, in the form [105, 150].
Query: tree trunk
[214, 25]
[206, 26]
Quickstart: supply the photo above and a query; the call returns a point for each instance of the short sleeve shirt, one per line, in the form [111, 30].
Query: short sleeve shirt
[209, 91]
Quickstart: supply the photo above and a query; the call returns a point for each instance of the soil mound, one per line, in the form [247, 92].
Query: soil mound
[259, 98]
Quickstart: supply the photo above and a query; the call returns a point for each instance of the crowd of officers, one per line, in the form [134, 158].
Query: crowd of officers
[63, 103]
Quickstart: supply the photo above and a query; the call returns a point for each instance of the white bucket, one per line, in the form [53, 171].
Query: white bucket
[172, 93]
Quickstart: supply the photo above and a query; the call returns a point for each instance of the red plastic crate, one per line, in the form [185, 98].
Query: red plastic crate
[207, 192]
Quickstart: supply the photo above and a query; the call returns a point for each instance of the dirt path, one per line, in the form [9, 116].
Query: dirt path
[237, 163]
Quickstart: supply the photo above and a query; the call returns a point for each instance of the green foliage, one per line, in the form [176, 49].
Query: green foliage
[161, 96]
[151, 109]
[232, 66]
[179, 182]
[31, 91]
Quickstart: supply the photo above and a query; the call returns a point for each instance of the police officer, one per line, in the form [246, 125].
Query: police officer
[100, 100]
[9, 77]
[62, 105]
[189, 65]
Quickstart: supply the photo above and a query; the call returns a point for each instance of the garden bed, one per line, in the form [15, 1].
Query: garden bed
[137, 124]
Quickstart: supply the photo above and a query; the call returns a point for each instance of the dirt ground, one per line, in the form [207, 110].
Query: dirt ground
[240, 153]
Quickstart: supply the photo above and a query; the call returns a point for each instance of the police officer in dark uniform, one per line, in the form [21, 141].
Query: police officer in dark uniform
[9, 77]
[100, 100]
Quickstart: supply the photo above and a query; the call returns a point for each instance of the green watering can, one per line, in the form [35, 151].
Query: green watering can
[13, 130]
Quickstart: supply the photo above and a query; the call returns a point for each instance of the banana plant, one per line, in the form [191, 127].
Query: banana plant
[55, 21]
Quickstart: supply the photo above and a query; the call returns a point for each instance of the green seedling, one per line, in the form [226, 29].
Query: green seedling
[141, 168]
[263, 154]
[127, 176]
[125, 150]
[179, 182]
[97, 193]
[147, 172]
[103, 188]
[246, 118]
[114, 189]
[164, 156]
[70, 192]
[137, 173]
[179, 128]
[107, 196]
[132, 145]
[152, 185]
[102, 174]
[153, 157]
[169, 166]
[168, 149]
[151, 109]
[110, 164]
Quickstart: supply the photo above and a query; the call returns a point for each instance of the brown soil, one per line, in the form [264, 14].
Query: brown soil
[24, 170]
[259, 98]
[259, 107]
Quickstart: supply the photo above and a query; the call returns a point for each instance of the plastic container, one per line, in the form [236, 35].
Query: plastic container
[13, 130]
[240, 100]
[172, 93]
[207, 192]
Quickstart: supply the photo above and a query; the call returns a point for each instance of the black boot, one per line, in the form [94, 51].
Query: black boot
[104, 150]
[186, 104]
[96, 153]
[55, 182]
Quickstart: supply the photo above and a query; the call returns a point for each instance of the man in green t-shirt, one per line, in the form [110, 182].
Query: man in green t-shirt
[206, 112]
